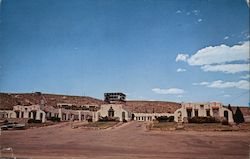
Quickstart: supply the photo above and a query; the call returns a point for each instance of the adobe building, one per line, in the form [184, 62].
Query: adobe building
[112, 111]
[30, 112]
[214, 109]
[114, 105]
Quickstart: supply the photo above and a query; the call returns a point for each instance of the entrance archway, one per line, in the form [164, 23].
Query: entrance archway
[34, 115]
[111, 112]
[41, 116]
[123, 116]
[133, 116]
[226, 114]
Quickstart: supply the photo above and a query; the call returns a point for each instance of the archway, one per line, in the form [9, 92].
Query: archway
[34, 115]
[111, 112]
[133, 116]
[179, 116]
[123, 116]
[41, 116]
[226, 114]
[17, 114]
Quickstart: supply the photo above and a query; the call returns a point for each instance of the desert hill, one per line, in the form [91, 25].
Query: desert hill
[8, 100]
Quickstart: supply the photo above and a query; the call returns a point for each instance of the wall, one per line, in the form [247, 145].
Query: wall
[117, 111]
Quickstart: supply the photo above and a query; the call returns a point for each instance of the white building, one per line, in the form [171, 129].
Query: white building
[112, 111]
[19, 111]
[214, 109]
[149, 116]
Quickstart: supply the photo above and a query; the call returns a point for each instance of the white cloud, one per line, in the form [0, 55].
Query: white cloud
[201, 83]
[245, 76]
[242, 84]
[199, 20]
[188, 13]
[248, 3]
[181, 70]
[168, 91]
[226, 68]
[226, 95]
[195, 12]
[178, 11]
[182, 57]
[220, 54]
[226, 37]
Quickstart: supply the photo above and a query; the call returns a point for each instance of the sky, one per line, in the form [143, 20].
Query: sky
[168, 50]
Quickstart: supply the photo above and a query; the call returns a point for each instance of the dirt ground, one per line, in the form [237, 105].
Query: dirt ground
[129, 141]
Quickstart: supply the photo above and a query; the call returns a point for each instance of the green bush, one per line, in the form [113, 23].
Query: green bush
[224, 122]
[238, 116]
[171, 119]
[165, 119]
[89, 120]
[198, 119]
[34, 121]
[54, 119]
[107, 119]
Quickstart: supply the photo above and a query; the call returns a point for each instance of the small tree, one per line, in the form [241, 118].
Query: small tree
[229, 107]
[238, 117]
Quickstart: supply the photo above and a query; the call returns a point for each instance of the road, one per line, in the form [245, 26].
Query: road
[129, 141]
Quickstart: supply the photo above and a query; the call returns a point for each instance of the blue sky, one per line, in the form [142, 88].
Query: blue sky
[173, 50]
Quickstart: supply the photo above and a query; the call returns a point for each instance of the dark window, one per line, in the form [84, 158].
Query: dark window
[189, 113]
[111, 112]
[226, 114]
[208, 112]
[196, 112]
[34, 114]
[17, 114]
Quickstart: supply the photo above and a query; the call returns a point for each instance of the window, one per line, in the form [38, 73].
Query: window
[189, 113]
[208, 112]
[111, 112]
[196, 112]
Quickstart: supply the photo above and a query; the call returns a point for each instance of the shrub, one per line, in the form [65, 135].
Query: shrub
[165, 119]
[198, 119]
[171, 119]
[224, 122]
[238, 117]
[34, 121]
[54, 119]
[108, 119]
[89, 120]
[5, 121]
